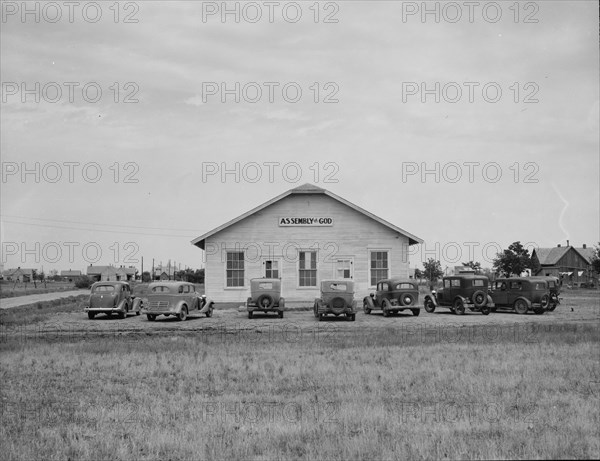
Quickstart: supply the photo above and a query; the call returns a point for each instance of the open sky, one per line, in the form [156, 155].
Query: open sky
[116, 129]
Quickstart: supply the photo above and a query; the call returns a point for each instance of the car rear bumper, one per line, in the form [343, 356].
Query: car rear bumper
[105, 310]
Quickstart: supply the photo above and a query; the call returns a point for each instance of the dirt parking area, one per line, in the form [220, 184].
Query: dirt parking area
[232, 324]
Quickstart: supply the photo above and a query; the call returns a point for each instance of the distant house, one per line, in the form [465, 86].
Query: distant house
[164, 276]
[572, 265]
[111, 273]
[463, 270]
[71, 276]
[18, 275]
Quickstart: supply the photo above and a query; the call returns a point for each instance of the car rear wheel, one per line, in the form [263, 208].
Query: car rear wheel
[459, 307]
[151, 317]
[429, 306]
[209, 311]
[250, 314]
[366, 308]
[521, 307]
[123, 314]
[183, 314]
[91, 315]
[351, 317]
[545, 301]
[416, 312]
[485, 310]
[280, 313]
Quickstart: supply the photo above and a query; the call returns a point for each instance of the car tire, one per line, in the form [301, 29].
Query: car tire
[338, 305]
[250, 314]
[321, 317]
[479, 298]
[280, 314]
[545, 302]
[493, 309]
[429, 306]
[552, 306]
[265, 301]
[385, 305]
[366, 308]
[352, 317]
[91, 315]
[521, 307]
[209, 312]
[485, 310]
[123, 315]
[182, 316]
[458, 307]
[151, 317]
[539, 310]
[315, 310]
[415, 312]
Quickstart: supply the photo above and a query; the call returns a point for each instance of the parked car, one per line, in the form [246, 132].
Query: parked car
[460, 292]
[521, 294]
[393, 296]
[554, 287]
[112, 298]
[179, 299]
[337, 298]
[265, 296]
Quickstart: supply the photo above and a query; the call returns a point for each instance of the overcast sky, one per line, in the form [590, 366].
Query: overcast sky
[517, 92]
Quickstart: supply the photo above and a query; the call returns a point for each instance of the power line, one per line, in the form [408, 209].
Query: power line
[98, 224]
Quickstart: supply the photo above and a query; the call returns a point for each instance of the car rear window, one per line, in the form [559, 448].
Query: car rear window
[478, 283]
[404, 286]
[540, 286]
[338, 286]
[455, 282]
[160, 289]
[265, 285]
[104, 289]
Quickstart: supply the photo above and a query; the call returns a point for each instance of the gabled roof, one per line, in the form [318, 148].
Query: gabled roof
[551, 256]
[586, 253]
[306, 189]
[96, 270]
[18, 271]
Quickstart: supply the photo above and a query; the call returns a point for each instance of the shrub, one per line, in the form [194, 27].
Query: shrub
[84, 282]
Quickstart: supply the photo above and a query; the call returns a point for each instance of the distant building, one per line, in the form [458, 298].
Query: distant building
[18, 275]
[572, 265]
[70, 275]
[111, 273]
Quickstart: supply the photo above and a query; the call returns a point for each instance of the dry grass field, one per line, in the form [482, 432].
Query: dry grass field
[12, 289]
[435, 386]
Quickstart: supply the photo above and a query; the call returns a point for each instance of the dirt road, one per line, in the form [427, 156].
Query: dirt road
[7, 303]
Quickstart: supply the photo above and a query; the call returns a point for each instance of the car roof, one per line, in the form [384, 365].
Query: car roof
[397, 280]
[111, 282]
[172, 283]
[467, 276]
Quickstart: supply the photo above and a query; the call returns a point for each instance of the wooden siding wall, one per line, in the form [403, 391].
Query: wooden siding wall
[570, 262]
[352, 235]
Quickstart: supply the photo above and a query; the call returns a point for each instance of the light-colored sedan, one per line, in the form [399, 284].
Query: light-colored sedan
[179, 299]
